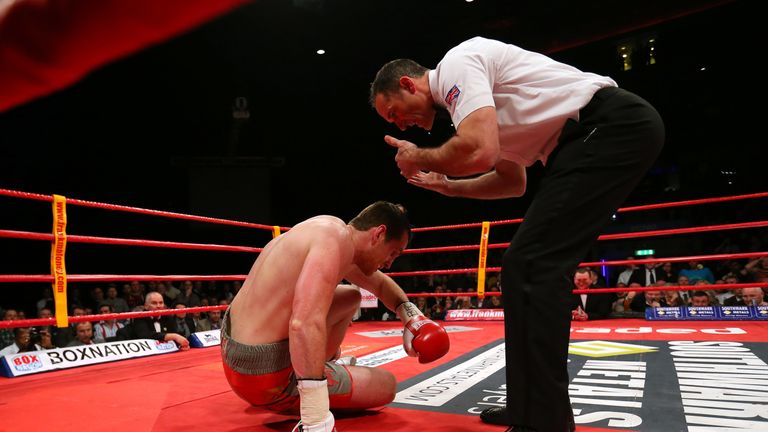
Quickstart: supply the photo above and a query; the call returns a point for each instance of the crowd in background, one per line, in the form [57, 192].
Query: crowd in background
[130, 297]
[88, 299]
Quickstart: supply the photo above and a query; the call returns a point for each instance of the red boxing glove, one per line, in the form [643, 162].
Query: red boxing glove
[425, 338]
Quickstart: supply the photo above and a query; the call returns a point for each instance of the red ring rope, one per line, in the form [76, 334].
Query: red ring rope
[110, 316]
[172, 215]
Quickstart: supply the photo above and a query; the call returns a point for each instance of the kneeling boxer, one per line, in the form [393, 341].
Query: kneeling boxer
[285, 326]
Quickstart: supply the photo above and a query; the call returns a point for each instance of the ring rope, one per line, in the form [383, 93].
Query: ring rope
[706, 287]
[127, 242]
[676, 259]
[467, 225]
[94, 204]
[592, 264]
[143, 314]
[202, 246]
[621, 210]
[110, 316]
[114, 278]
[636, 234]
[128, 209]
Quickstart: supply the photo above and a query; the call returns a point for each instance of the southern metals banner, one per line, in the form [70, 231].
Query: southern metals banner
[620, 384]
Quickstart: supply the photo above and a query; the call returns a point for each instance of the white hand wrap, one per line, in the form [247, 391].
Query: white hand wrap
[314, 401]
[406, 311]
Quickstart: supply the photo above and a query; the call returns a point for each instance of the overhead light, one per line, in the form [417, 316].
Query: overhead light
[321, 51]
[469, 1]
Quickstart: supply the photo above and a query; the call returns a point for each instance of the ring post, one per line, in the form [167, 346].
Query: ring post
[58, 266]
[486, 228]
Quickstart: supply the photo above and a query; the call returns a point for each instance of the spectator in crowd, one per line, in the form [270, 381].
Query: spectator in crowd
[630, 297]
[46, 301]
[22, 342]
[161, 288]
[646, 275]
[161, 328]
[700, 298]
[170, 290]
[758, 269]
[493, 302]
[672, 299]
[666, 272]
[723, 295]
[44, 313]
[696, 272]
[204, 302]
[734, 268]
[107, 330]
[214, 319]
[96, 298]
[439, 309]
[236, 285]
[83, 334]
[188, 296]
[73, 297]
[589, 306]
[118, 304]
[618, 305]
[734, 299]
[135, 294]
[6, 335]
[421, 304]
[753, 296]
[487, 302]
[66, 335]
[596, 279]
[185, 324]
[462, 301]
[625, 275]
[438, 289]
[647, 299]
[202, 323]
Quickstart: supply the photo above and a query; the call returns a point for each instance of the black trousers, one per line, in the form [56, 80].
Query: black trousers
[599, 160]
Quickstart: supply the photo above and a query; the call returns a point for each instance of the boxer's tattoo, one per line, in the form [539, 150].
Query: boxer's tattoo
[408, 310]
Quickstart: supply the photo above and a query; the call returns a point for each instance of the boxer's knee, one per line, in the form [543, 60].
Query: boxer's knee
[349, 293]
[347, 298]
[389, 385]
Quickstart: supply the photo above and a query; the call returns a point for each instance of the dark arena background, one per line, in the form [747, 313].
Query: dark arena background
[190, 136]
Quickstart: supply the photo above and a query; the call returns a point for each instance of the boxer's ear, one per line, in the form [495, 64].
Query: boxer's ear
[379, 234]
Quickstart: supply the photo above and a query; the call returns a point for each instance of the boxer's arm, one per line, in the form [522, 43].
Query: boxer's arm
[380, 285]
[312, 300]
